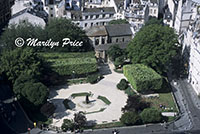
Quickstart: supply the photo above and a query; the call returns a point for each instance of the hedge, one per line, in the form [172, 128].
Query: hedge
[142, 78]
[71, 63]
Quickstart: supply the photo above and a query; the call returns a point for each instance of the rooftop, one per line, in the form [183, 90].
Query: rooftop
[96, 31]
[119, 30]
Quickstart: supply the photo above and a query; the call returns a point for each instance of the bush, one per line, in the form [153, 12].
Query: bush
[119, 61]
[151, 115]
[67, 125]
[142, 78]
[93, 78]
[130, 118]
[104, 99]
[79, 120]
[129, 91]
[122, 85]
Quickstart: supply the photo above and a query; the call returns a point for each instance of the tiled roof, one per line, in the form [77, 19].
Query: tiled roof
[96, 31]
[119, 30]
[99, 10]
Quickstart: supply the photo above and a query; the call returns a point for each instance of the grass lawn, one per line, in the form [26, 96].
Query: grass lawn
[165, 99]
[80, 94]
[104, 99]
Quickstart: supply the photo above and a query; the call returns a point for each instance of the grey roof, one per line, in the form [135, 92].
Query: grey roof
[33, 12]
[96, 31]
[119, 30]
[104, 47]
[99, 10]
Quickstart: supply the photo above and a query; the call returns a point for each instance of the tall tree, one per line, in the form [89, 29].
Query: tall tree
[60, 28]
[24, 30]
[19, 61]
[154, 45]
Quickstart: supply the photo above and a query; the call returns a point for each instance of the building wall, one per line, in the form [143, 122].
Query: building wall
[29, 18]
[119, 39]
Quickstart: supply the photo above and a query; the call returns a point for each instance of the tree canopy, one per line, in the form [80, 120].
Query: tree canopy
[154, 20]
[19, 61]
[135, 104]
[151, 115]
[56, 30]
[115, 51]
[154, 45]
[24, 30]
[130, 118]
[31, 93]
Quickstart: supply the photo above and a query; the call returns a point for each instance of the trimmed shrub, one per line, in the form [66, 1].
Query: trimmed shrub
[130, 118]
[142, 78]
[71, 63]
[122, 85]
[93, 78]
[104, 99]
[151, 115]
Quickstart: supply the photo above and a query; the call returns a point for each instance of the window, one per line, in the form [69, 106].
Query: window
[85, 24]
[91, 16]
[155, 11]
[97, 16]
[116, 40]
[103, 23]
[91, 24]
[97, 23]
[151, 11]
[90, 1]
[86, 17]
[103, 15]
[122, 39]
[97, 42]
[103, 40]
[51, 8]
[51, 15]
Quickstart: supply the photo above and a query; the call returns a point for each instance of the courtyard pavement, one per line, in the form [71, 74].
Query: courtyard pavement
[106, 87]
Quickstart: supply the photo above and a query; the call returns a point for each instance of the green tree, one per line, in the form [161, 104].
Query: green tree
[19, 83]
[20, 61]
[119, 21]
[122, 85]
[79, 120]
[154, 20]
[130, 118]
[60, 28]
[155, 46]
[119, 61]
[67, 125]
[151, 115]
[24, 30]
[115, 51]
[135, 104]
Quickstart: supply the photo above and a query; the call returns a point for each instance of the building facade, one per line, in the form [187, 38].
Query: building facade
[191, 49]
